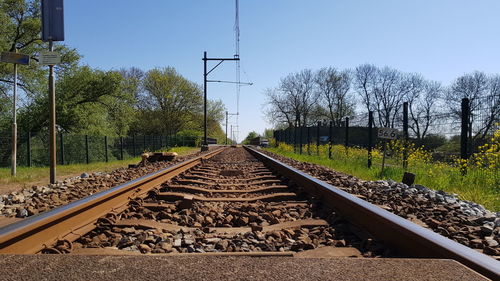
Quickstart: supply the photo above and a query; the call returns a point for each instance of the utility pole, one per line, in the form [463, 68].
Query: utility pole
[52, 30]
[232, 134]
[205, 143]
[227, 120]
[205, 81]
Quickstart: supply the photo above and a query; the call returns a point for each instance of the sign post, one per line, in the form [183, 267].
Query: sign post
[387, 134]
[52, 30]
[13, 169]
[52, 117]
[14, 58]
[383, 159]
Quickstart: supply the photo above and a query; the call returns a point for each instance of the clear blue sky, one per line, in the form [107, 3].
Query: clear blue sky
[440, 39]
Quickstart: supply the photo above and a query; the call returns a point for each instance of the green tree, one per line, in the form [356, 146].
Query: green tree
[87, 102]
[20, 27]
[168, 102]
[250, 136]
[268, 133]
[215, 115]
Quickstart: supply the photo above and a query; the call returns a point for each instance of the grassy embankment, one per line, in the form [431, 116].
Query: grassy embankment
[480, 185]
[40, 175]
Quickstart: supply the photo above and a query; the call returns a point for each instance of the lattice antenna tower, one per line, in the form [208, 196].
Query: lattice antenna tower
[237, 55]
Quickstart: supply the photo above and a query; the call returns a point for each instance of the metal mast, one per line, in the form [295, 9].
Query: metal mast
[237, 55]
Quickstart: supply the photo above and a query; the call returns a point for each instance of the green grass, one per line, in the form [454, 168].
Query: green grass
[27, 176]
[479, 185]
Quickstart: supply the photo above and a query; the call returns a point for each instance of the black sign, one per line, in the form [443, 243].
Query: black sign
[52, 20]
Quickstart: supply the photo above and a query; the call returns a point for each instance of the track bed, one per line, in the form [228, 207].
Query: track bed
[230, 203]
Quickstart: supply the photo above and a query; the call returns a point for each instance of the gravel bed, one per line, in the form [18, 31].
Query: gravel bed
[37, 199]
[463, 221]
[171, 227]
[226, 185]
[198, 241]
[226, 174]
[222, 214]
[338, 234]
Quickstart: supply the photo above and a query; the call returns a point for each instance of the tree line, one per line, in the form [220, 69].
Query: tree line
[91, 101]
[303, 98]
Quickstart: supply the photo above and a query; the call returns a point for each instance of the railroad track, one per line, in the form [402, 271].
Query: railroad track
[236, 201]
[229, 203]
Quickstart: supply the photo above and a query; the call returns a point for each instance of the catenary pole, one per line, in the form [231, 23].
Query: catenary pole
[205, 81]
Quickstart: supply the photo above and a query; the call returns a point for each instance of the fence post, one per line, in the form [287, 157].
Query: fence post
[295, 138]
[317, 138]
[106, 148]
[370, 138]
[463, 134]
[61, 145]
[28, 150]
[300, 139]
[346, 132]
[161, 141]
[296, 133]
[143, 143]
[405, 135]
[309, 140]
[330, 140]
[133, 146]
[121, 148]
[87, 158]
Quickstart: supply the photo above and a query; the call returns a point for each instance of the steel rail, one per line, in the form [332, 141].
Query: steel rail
[393, 230]
[38, 232]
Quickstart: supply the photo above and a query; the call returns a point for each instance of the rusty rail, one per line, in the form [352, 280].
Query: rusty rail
[70, 222]
[393, 230]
